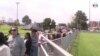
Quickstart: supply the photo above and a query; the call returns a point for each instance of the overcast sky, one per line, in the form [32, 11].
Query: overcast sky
[61, 11]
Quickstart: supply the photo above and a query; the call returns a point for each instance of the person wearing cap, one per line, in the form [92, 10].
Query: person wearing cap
[34, 39]
[16, 43]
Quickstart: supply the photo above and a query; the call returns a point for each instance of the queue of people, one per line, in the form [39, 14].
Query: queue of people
[56, 37]
[14, 45]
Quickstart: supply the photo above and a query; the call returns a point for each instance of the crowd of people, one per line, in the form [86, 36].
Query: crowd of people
[14, 45]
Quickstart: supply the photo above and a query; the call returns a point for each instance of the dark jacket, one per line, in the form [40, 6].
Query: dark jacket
[28, 47]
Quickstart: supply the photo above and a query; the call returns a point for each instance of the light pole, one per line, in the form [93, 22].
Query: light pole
[17, 10]
[17, 22]
[95, 5]
[89, 10]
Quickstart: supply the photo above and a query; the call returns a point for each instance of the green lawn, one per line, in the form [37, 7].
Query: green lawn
[5, 29]
[86, 44]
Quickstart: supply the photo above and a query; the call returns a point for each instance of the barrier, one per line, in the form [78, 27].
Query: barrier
[57, 47]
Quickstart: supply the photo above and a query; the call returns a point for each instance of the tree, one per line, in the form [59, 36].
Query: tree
[72, 25]
[46, 23]
[53, 24]
[80, 21]
[26, 20]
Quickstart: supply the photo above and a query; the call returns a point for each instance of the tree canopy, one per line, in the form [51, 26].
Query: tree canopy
[53, 24]
[80, 21]
[26, 20]
[48, 23]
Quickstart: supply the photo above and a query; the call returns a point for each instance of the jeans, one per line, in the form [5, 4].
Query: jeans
[34, 51]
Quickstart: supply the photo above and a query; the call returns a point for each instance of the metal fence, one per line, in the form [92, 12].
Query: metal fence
[48, 50]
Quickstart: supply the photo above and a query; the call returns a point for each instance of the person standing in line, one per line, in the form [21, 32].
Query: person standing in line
[59, 36]
[4, 49]
[46, 34]
[70, 31]
[34, 44]
[16, 43]
[64, 31]
[50, 37]
[8, 36]
[27, 44]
